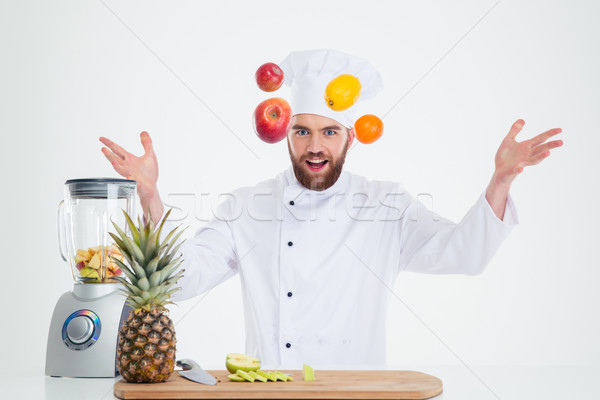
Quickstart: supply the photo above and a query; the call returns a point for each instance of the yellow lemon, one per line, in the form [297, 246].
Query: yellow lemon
[342, 92]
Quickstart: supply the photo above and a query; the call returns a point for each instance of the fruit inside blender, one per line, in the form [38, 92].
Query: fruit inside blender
[97, 264]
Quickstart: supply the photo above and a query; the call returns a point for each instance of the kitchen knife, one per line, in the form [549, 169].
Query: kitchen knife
[194, 372]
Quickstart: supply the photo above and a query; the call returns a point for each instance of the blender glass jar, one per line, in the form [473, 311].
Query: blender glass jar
[84, 221]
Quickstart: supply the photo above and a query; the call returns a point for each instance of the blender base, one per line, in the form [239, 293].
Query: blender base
[82, 340]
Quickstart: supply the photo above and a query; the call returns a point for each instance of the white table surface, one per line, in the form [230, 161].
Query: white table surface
[506, 382]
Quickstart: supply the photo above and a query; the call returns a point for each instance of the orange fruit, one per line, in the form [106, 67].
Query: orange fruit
[368, 128]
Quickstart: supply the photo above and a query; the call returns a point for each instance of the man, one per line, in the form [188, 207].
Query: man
[317, 246]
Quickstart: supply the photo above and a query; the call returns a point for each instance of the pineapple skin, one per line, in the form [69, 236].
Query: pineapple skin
[146, 346]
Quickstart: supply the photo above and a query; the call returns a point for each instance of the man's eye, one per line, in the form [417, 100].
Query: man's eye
[302, 132]
[330, 132]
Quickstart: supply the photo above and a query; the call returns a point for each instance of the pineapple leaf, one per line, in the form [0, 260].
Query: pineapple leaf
[134, 250]
[173, 279]
[122, 280]
[162, 298]
[170, 264]
[139, 271]
[134, 231]
[170, 235]
[133, 289]
[172, 292]
[148, 227]
[120, 231]
[144, 284]
[132, 278]
[117, 240]
[143, 236]
[122, 265]
[160, 227]
[149, 252]
[155, 279]
[166, 272]
[174, 240]
[168, 258]
[121, 246]
[155, 291]
[152, 265]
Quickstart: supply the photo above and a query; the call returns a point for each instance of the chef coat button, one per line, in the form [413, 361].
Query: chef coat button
[290, 244]
[292, 202]
[288, 345]
[289, 294]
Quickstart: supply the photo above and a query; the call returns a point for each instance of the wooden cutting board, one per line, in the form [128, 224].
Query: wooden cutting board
[328, 385]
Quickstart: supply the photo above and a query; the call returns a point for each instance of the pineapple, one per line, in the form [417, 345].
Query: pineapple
[146, 345]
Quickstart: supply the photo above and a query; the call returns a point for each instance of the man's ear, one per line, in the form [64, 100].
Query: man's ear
[350, 136]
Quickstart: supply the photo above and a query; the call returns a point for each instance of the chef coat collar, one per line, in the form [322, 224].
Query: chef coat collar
[340, 184]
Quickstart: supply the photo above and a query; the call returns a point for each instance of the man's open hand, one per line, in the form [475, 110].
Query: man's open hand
[143, 169]
[513, 156]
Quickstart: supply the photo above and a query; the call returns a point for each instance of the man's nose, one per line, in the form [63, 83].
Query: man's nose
[316, 144]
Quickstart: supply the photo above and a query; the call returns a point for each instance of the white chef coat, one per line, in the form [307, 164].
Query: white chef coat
[317, 268]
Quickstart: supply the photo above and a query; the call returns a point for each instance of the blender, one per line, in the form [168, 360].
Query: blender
[82, 340]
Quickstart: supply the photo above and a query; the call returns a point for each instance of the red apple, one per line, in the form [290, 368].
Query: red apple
[272, 119]
[80, 265]
[269, 77]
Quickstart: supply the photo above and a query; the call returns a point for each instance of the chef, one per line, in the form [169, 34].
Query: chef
[318, 248]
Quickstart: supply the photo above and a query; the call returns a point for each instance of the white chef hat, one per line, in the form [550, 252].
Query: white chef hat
[308, 73]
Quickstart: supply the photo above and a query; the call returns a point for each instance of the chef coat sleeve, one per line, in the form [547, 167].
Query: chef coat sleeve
[209, 257]
[434, 245]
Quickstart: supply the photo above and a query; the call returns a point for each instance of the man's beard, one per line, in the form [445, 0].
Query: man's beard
[316, 181]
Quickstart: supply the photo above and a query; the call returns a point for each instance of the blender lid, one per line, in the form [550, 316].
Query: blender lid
[101, 188]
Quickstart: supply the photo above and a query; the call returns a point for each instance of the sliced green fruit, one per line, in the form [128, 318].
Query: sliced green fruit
[309, 373]
[257, 376]
[236, 378]
[269, 375]
[281, 376]
[237, 361]
[245, 375]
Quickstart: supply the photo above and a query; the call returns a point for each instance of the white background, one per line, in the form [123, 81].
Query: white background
[72, 71]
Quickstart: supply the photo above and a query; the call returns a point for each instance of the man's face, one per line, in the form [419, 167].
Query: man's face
[318, 147]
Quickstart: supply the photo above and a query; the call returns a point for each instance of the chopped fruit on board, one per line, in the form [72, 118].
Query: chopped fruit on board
[248, 369]
[270, 376]
[238, 361]
[245, 375]
[309, 373]
[283, 377]
[236, 378]
[258, 375]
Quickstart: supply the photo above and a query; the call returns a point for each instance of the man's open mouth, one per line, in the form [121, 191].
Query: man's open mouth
[316, 165]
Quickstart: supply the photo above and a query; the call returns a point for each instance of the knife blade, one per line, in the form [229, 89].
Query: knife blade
[194, 372]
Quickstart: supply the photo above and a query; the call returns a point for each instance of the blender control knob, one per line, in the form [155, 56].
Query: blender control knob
[80, 329]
